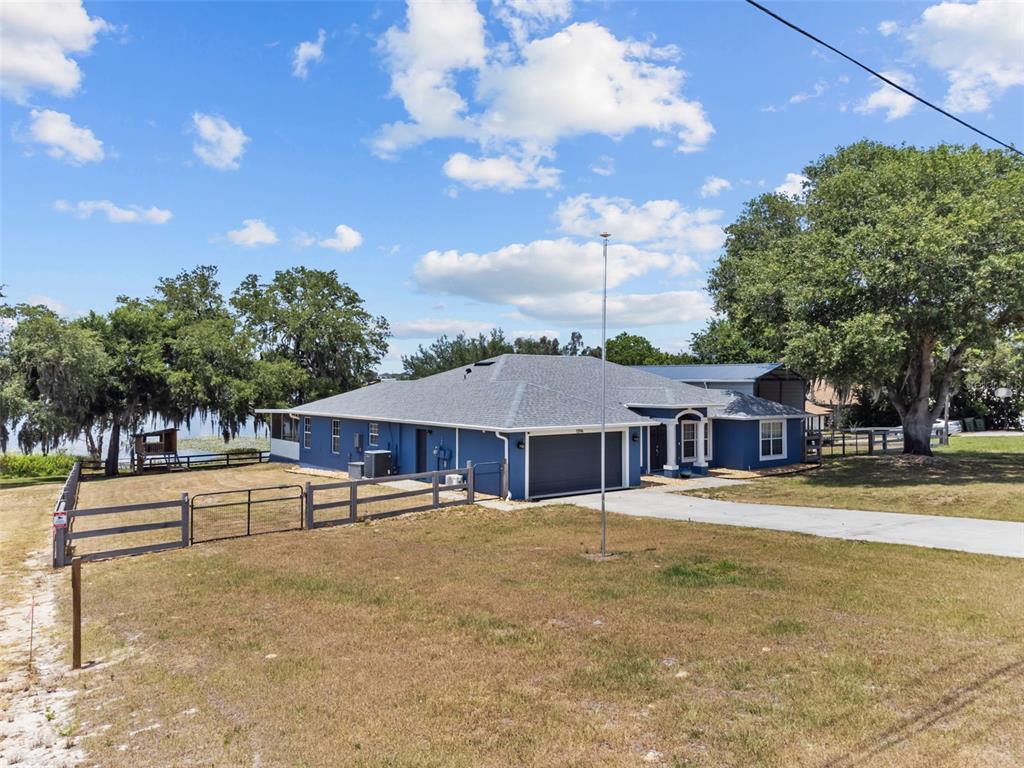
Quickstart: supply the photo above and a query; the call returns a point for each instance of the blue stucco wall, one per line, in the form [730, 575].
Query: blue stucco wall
[738, 444]
[474, 445]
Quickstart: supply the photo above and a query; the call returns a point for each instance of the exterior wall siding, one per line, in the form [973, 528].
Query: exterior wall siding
[738, 444]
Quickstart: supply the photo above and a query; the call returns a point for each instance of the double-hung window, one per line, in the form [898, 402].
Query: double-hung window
[773, 439]
[307, 432]
[374, 433]
[335, 436]
[689, 439]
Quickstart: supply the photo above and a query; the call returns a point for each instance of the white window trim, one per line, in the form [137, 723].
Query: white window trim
[335, 435]
[683, 455]
[371, 428]
[760, 440]
[307, 432]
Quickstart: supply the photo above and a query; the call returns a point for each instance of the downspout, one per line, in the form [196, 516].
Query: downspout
[508, 467]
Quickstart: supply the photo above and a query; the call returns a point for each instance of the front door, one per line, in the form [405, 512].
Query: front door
[421, 450]
[659, 447]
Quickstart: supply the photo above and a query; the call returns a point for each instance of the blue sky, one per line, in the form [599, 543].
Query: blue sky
[453, 162]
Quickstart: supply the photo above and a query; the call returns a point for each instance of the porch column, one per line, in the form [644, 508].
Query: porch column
[701, 426]
[671, 433]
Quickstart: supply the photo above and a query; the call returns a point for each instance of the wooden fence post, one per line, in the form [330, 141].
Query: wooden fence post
[60, 544]
[871, 443]
[76, 613]
[470, 485]
[353, 503]
[186, 522]
[436, 496]
[309, 506]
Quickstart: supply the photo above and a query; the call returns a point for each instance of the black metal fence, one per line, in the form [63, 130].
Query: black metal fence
[246, 512]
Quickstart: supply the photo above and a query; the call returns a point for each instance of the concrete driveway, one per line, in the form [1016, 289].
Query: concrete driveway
[963, 534]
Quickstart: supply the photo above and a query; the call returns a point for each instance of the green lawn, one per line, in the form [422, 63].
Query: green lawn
[973, 477]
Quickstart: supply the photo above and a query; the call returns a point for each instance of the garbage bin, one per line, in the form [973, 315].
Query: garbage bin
[355, 470]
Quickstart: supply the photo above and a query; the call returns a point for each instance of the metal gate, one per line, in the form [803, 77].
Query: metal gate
[246, 512]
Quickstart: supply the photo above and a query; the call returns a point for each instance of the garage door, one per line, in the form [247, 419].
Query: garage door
[561, 464]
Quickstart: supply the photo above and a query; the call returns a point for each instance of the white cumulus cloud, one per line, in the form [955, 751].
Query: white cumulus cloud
[579, 80]
[519, 272]
[62, 138]
[307, 52]
[38, 41]
[503, 172]
[793, 186]
[252, 233]
[116, 214]
[345, 239]
[626, 309]
[428, 328]
[895, 103]
[888, 28]
[527, 17]
[978, 46]
[605, 166]
[665, 225]
[220, 144]
[713, 186]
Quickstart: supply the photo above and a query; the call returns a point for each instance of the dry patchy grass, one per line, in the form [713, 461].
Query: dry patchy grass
[470, 637]
[974, 477]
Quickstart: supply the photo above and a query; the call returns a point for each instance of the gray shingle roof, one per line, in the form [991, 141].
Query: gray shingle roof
[712, 372]
[744, 406]
[518, 392]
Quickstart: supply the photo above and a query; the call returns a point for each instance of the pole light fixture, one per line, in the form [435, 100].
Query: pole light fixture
[604, 365]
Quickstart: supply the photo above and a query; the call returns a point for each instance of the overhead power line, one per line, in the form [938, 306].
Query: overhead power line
[883, 78]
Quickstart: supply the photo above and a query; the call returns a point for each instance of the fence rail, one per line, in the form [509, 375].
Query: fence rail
[433, 486]
[186, 462]
[828, 444]
[64, 538]
[289, 507]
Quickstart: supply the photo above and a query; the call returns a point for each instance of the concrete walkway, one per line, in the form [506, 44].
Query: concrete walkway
[963, 534]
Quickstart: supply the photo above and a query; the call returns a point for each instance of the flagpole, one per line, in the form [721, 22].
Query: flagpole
[604, 386]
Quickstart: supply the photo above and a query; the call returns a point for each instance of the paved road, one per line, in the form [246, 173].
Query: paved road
[987, 537]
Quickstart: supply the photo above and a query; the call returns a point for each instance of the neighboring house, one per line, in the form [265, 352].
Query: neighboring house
[542, 414]
[772, 381]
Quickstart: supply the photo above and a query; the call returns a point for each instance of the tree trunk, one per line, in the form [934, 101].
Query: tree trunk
[917, 431]
[113, 450]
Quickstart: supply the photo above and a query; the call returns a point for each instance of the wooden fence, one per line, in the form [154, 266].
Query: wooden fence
[433, 486]
[65, 538]
[136, 518]
[187, 462]
[829, 444]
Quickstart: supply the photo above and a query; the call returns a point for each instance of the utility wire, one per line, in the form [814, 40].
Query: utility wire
[882, 77]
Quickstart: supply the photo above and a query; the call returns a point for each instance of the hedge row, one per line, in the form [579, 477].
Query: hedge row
[35, 465]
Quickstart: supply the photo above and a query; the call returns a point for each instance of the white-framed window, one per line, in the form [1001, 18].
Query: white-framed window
[773, 439]
[689, 439]
[307, 432]
[374, 433]
[335, 436]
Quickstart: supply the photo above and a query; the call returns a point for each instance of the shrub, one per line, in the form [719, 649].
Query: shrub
[35, 465]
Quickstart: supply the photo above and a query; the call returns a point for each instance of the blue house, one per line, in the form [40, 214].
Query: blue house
[541, 415]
